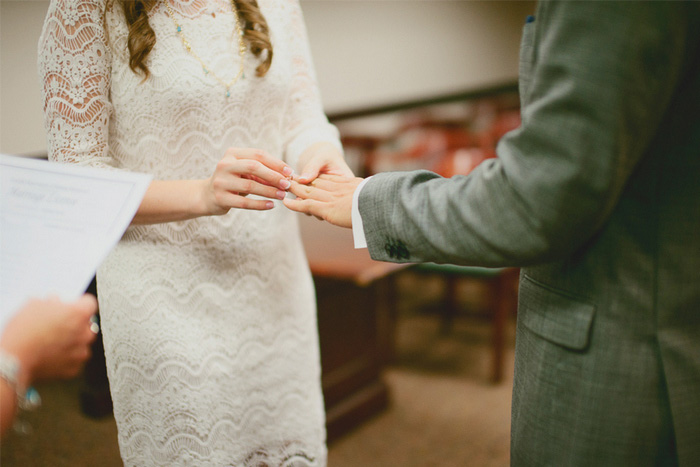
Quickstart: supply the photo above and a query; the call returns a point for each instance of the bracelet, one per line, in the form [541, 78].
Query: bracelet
[27, 399]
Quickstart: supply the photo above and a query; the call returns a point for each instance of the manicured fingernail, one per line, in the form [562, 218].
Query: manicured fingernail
[305, 176]
[285, 184]
[269, 205]
[287, 171]
[281, 194]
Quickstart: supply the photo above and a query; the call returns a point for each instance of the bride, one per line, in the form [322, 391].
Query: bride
[207, 304]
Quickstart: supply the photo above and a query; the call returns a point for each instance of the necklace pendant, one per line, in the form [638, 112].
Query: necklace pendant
[228, 93]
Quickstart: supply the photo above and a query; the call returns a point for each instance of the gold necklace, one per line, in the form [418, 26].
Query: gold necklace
[207, 69]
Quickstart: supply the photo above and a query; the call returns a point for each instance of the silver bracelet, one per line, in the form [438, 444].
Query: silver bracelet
[27, 399]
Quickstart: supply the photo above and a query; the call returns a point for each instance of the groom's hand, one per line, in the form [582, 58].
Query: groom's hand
[328, 197]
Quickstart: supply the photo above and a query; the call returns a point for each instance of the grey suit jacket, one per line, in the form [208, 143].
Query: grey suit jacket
[597, 197]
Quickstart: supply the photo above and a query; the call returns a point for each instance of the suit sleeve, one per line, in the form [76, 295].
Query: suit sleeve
[603, 74]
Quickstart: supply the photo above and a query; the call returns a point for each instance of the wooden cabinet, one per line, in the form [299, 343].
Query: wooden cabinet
[356, 324]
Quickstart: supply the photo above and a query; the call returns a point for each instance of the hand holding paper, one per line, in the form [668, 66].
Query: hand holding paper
[57, 223]
[51, 337]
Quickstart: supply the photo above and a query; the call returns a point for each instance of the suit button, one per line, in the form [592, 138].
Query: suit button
[396, 249]
[402, 250]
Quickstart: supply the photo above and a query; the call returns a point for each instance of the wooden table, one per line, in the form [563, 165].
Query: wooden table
[356, 315]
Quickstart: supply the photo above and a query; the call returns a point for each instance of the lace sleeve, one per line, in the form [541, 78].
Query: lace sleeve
[306, 123]
[74, 69]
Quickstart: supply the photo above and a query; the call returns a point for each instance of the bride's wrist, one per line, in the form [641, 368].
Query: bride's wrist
[204, 202]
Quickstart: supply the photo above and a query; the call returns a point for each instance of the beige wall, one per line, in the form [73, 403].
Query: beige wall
[380, 52]
[366, 53]
[21, 124]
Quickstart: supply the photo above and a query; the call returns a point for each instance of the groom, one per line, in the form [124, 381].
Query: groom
[597, 198]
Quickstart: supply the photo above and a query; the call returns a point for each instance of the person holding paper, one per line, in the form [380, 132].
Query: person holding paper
[207, 303]
[45, 339]
[597, 197]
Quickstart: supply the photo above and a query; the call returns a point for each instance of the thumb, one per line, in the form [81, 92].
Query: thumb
[311, 170]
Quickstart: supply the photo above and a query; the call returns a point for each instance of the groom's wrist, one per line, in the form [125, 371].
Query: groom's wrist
[358, 232]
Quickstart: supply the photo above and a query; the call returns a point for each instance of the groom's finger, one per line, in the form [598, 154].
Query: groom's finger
[308, 191]
[329, 185]
[305, 206]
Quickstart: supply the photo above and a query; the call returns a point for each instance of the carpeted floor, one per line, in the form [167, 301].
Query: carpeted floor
[443, 410]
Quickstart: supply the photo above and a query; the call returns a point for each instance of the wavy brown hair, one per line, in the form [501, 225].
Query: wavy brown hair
[142, 38]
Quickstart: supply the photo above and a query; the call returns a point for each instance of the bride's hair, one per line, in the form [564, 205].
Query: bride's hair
[142, 38]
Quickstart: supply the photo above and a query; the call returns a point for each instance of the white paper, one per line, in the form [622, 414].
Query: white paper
[58, 222]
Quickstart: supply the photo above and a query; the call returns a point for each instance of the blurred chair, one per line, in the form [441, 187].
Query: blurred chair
[450, 138]
[502, 293]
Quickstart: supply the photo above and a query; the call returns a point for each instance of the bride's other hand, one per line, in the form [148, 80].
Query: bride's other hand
[242, 172]
[322, 158]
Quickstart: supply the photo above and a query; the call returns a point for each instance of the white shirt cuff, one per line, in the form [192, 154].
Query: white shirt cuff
[358, 232]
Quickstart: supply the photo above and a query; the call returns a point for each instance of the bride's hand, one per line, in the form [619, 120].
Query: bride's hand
[242, 172]
[322, 158]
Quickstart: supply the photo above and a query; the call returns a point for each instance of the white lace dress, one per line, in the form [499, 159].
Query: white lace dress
[209, 325]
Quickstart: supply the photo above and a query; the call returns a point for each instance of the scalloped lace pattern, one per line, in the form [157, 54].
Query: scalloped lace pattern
[209, 325]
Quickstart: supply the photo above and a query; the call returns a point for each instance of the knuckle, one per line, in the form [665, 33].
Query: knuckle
[217, 184]
[247, 185]
[220, 199]
[222, 164]
[72, 370]
[251, 165]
